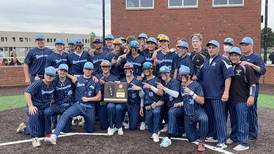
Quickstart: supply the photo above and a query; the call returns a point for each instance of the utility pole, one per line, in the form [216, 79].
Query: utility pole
[103, 14]
[265, 31]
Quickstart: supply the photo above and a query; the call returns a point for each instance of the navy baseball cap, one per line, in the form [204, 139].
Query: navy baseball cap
[214, 43]
[51, 71]
[97, 40]
[247, 40]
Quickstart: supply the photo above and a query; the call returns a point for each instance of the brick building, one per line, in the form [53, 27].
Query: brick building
[181, 18]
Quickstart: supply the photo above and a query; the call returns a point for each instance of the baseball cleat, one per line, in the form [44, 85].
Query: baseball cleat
[52, 139]
[240, 147]
[221, 146]
[21, 128]
[211, 140]
[111, 131]
[164, 129]
[36, 142]
[120, 131]
[142, 126]
[155, 137]
[74, 121]
[81, 121]
[229, 141]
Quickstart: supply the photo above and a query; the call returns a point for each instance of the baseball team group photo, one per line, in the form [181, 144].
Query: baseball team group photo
[157, 82]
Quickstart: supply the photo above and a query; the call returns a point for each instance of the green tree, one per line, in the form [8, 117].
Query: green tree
[270, 37]
[92, 35]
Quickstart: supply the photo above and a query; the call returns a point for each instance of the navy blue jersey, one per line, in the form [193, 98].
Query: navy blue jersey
[256, 59]
[151, 97]
[76, 62]
[41, 94]
[36, 59]
[190, 105]
[55, 59]
[86, 88]
[213, 75]
[137, 63]
[106, 49]
[97, 59]
[147, 55]
[63, 91]
[168, 59]
[110, 78]
[173, 84]
[133, 95]
[185, 60]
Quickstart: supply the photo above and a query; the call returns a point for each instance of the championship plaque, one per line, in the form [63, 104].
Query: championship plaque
[115, 93]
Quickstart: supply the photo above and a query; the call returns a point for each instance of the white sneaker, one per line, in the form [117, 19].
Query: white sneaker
[229, 141]
[81, 121]
[120, 131]
[74, 121]
[52, 139]
[221, 146]
[240, 147]
[164, 129]
[21, 128]
[36, 142]
[126, 125]
[111, 131]
[142, 126]
[211, 140]
[155, 137]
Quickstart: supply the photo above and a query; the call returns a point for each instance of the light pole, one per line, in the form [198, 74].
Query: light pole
[265, 31]
[103, 14]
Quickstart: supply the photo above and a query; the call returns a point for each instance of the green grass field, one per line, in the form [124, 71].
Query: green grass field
[12, 102]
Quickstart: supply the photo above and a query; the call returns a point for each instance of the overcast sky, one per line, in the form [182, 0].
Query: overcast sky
[71, 16]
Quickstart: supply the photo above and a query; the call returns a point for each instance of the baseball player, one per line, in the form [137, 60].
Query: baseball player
[151, 100]
[254, 60]
[58, 56]
[175, 111]
[164, 57]
[199, 54]
[38, 96]
[192, 98]
[215, 77]
[134, 57]
[142, 39]
[77, 59]
[98, 56]
[101, 109]
[227, 45]
[108, 41]
[242, 94]
[71, 45]
[35, 61]
[116, 69]
[182, 57]
[135, 95]
[151, 47]
[87, 94]
[62, 97]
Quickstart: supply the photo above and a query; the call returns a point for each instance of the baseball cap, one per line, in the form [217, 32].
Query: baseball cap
[88, 65]
[51, 71]
[60, 41]
[147, 65]
[235, 50]
[213, 42]
[164, 69]
[105, 63]
[247, 40]
[128, 66]
[183, 44]
[184, 70]
[63, 67]
[229, 41]
[39, 36]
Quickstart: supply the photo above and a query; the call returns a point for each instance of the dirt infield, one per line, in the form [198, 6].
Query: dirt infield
[131, 142]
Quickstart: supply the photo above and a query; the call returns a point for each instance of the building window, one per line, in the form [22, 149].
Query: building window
[21, 39]
[227, 3]
[139, 4]
[182, 3]
[14, 39]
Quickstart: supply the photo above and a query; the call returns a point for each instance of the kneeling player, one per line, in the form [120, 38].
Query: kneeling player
[38, 96]
[193, 98]
[87, 92]
[62, 97]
